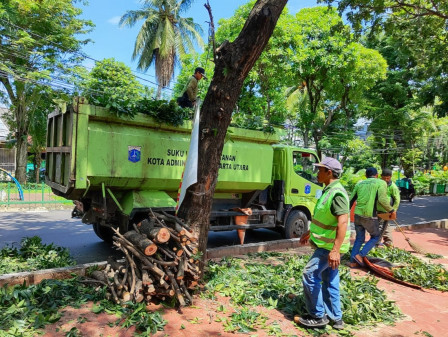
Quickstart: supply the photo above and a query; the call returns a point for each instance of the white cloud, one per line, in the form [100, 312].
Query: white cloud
[115, 20]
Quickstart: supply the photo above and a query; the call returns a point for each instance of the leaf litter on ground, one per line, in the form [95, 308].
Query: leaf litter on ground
[413, 270]
[270, 280]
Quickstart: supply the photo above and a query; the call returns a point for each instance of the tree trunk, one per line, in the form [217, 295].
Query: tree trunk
[21, 157]
[159, 91]
[233, 63]
[38, 161]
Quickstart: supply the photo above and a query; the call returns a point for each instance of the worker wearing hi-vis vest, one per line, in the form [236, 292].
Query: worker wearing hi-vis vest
[330, 236]
[367, 194]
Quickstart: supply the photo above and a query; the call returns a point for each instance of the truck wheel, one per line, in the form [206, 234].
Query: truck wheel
[296, 225]
[103, 232]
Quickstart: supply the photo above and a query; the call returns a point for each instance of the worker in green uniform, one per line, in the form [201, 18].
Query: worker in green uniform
[393, 194]
[189, 97]
[367, 193]
[330, 237]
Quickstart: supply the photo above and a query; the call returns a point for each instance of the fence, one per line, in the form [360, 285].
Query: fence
[33, 196]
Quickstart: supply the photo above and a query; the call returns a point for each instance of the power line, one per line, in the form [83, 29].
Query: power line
[83, 55]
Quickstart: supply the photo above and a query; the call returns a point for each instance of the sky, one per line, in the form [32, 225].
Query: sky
[109, 40]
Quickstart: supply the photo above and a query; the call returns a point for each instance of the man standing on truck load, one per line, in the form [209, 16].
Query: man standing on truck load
[189, 97]
[394, 194]
[366, 194]
[330, 237]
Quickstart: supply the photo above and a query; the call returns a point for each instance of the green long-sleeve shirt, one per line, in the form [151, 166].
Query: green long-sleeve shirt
[393, 192]
[367, 194]
[192, 88]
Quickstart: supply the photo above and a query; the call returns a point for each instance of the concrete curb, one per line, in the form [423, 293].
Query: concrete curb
[443, 224]
[269, 246]
[213, 253]
[38, 276]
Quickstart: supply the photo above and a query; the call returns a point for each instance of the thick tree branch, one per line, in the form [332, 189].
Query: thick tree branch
[233, 63]
[212, 29]
[8, 88]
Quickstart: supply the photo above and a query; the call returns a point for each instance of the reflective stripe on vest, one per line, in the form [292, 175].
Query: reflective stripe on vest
[324, 224]
[321, 225]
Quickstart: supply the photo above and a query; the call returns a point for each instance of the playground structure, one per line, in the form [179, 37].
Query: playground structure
[19, 187]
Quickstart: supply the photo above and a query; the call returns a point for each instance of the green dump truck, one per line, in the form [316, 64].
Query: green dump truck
[116, 170]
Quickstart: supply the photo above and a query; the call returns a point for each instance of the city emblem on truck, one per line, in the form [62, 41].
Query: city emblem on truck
[307, 189]
[134, 153]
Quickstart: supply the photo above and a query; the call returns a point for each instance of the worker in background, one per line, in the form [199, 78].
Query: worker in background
[330, 237]
[393, 193]
[366, 194]
[189, 97]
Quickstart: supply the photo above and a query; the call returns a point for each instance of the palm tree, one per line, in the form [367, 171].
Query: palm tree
[163, 37]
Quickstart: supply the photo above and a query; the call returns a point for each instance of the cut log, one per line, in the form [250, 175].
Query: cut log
[139, 298]
[99, 275]
[192, 285]
[175, 287]
[157, 234]
[143, 243]
[120, 267]
[181, 270]
[166, 273]
[150, 289]
[126, 296]
[146, 279]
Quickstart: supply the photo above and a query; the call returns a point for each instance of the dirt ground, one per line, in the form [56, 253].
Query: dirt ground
[426, 311]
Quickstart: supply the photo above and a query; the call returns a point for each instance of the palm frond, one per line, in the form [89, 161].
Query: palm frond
[167, 39]
[193, 30]
[145, 44]
[184, 5]
[163, 35]
[130, 18]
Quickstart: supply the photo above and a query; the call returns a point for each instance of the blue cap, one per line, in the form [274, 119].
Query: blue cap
[371, 171]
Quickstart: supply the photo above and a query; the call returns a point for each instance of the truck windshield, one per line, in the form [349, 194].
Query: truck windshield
[303, 165]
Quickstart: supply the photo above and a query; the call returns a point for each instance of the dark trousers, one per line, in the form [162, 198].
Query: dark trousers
[184, 101]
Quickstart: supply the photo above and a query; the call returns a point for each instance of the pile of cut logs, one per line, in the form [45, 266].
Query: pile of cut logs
[161, 262]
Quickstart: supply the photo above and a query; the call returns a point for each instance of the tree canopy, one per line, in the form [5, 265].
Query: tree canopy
[39, 42]
[420, 26]
[332, 68]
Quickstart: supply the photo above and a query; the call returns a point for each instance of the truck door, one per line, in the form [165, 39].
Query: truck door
[302, 186]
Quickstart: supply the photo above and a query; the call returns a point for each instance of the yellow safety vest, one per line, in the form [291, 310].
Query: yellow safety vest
[324, 224]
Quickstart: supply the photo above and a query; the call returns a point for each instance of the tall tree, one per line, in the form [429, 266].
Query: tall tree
[234, 61]
[421, 27]
[163, 37]
[38, 125]
[38, 41]
[396, 113]
[332, 69]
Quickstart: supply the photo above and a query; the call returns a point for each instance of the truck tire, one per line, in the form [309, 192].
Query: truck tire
[296, 225]
[103, 232]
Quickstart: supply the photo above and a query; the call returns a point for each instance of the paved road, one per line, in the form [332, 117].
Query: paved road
[57, 227]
